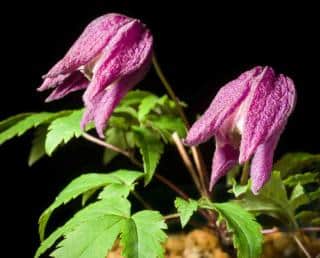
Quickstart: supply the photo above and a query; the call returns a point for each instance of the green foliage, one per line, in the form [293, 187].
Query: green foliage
[185, 209]
[19, 124]
[146, 106]
[272, 200]
[82, 185]
[151, 149]
[247, 236]
[302, 179]
[112, 209]
[142, 235]
[297, 162]
[62, 130]
[92, 232]
[38, 145]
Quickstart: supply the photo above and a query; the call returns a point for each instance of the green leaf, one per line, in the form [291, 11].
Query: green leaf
[146, 105]
[143, 236]
[129, 111]
[92, 239]
[87, 195]
[134, 97]
[302, 179]
[115, 137]
[292, 163]
[115, 191]
[238, 189]
[169, 124]
[10, 121]
[83, 184]
[185, 209]
[272, 200]
[18, 125]
[298, 197]
[62, 130]
[94, 212]
[247, 236]
[38, 150]
[151, 149]
[306, 217]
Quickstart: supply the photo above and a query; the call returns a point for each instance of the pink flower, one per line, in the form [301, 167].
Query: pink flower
[110, 57]
[247, 117]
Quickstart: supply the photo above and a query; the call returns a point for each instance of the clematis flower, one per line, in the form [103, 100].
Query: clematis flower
[110, 57]
[246, 117]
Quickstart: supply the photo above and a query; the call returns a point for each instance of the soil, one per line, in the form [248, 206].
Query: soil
[205, 244]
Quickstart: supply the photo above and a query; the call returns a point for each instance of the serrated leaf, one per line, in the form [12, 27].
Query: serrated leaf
[271, 200]
[142, 235]
[238, 189]
[134, 97]
[92, 239]
[151, 149]
[302, 179]
[127, 111]
[10, 121]
[62, 130]
[115, 191]
[87, 195]
[83, 184]
[38, 150]
[22, 123]
[115, 137]
[298, 197]
[247, 236]
[185, 209]
[107, 207]
[169, 124]
[292, 163]
[146, 105]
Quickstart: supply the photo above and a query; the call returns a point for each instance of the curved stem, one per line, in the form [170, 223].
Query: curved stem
[301, 246]
[186, 160]
[197, 156]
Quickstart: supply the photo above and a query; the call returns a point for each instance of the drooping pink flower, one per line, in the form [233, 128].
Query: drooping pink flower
[246, 117]
[110, 57]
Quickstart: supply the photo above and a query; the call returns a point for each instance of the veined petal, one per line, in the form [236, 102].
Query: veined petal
[271, 102]
[225, 103]
[91, 42]
[261, 164]
[76, 81]
[50, 83]
[224, 158]
[126, 53]
[100, 108]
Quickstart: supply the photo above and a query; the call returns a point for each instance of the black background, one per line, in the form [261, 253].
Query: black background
[200, 47]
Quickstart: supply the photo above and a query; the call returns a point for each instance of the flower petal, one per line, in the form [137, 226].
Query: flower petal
[261, 165]
[91, 42]
[224, 158]
[100, 108]
[223, 106]
[50, 83]
[271, 101]
[127, 52]
[76, 81]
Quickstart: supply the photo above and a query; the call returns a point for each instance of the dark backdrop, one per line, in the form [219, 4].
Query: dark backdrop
[200, 47]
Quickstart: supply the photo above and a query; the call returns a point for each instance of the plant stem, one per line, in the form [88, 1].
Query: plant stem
[171, 216]
[197, 156]
[134, 161]
[245, 173]
[104, 144]
[141, 200]
[304, 229]
[301, 246]
[186, 160]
